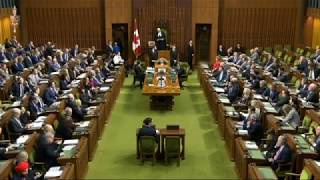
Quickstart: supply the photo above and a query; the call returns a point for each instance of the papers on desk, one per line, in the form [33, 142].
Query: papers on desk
[317, 163]
[16, 104]
[44, 81]
[55, 105]
[36, 125]
[251, 145]
[270, 109]
[204, 66]
[267, 104]
[70, 142]
[218, 89]
[54, 172]
[69, 150]
[258, 96]
[22, 139]
[54, 73]
[82, 76]
[109, 80]
[75, 82]
[242, 132]
[41, 119]
[224, 100]
[104, 89]
[280, 118]
[84, 124]
[67, 91]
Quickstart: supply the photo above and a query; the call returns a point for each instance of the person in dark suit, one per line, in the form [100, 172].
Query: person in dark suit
[61, 60]
[313, 95]
[255, 130]
[174, 55]
[153, 56]
[221, 50]
[283, 99]
[139, 74]
[27, 61]
[233, 90]
[222, 74]
[17, 67]
[15, 126]
[75, 51]
[109, 48]
[312, 72]
[77, 112]
[66, 125]
[24, 117]
[35, 57]
[190, 54]
[34, 107]
[51, 94]
[19, 88]
[181, 73]
[48, 151]
[303, 65]
[63, 82]
[87, 96]
[148, 129]
[160, 39]
[239, 48]
[303, 88]
[30, 46]
[272, 94]
[262, 87]
[116, 48]
[283, 153]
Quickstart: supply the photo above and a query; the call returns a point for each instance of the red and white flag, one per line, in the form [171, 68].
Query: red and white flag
[136, 46]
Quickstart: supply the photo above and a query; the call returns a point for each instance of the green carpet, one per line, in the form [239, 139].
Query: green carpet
[206, 157]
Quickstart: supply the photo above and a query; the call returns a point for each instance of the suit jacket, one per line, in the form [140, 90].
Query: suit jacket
[239, 50]
[303, 90]
[15, 126]
[148, 131]
[50, 96]
[293, 118]
[233, 93]
[34, 109]
[153, 55]
[273, 96]
[313, 97]
[255, 132]
[282, 101]
[222, 52]
[86, 96]
[17, 68]
[109, 50]
[64, 129]
[223, 77]
[190, 52]
[18, 91]
[48, 153]
[303, 67]
[35, 59]
[27, 62]
[74, 52]
[2, 57]
[174, 54]
[33, 80]
[77, 113]
[63, 85]
[61, 60]
[284, 156]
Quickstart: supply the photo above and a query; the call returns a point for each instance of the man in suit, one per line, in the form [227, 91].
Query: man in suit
[77, 112]
[15, 126]
[139, 74]
[34, 78]
[283, 153]
[54, 66]
[221, 51]
[34, 107]
[233, 90]
[19, 88]
[255, 130]
[160, 39]
[239, 48]
[51, 94]
[303, 65]
[75, 51]
[313, 95]
[174, 56]
[272, 95]
[86, 96]
[303, 88]
[181, 72]
[255, 55]
[29, 46]
[66, 125]
[153, 56]
[190, 54]
[109, 49]
[222, 74]
[292, 116]
[48, 151]
[17, 67]
[61, 60]
[148, 129]
[283, 99]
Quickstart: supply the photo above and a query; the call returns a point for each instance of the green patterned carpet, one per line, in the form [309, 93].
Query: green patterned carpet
[206, 157]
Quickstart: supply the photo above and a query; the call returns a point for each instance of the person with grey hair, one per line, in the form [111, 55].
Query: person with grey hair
[48, 150]
[283, 153]
[292, 116]
[66, 125]
[15, 126]
[255, 130]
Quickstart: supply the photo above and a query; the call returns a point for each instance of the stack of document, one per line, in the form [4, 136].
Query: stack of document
[70, 142]
[109, 80]
[54, 73]
[83, 124]
[69, 150]
[258, 96]
[54, 172]
[16, 104]
[218, 89]
[36, 125]
[251, 145]
[104, 89]
[82, 76]
[22, 139]
[242, 132]
[44, 81]
[41, 119]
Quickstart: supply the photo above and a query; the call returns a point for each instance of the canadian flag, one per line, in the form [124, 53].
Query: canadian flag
[136, 46]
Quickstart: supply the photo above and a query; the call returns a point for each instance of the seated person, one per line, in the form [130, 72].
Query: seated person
[87, 96]
[283, 153]
[262, 88]
[51, 94]
[292, 116]
[313, 95]
[34, 107]
[222, 74]
[34, 78]
[303, 65]
[48, 151]
[47, 128]
[17, 67]
[77, 112]
[283, 99]
[3, 148]
[66, 125]
[117, 59]
[272, 95]
[233, 90]
[23, 172]
[217, 64]
[19, 89]
[148, 129]
[64, 84]
[317, 140]
[303, 88]
[25, 116]
[246, 97]
[15, 126]
[255, 130]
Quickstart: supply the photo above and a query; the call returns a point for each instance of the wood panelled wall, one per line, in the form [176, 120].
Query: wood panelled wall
[5, 24]
[64, 22]
[173, 15]
[260, 22]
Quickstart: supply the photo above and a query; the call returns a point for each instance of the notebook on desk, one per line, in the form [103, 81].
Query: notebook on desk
[173, 127]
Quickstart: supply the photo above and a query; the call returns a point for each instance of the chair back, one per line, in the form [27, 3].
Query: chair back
[172, 144]
[305, 174]
[147, 144]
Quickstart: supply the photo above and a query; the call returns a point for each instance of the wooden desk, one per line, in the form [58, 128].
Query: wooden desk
[244, 156]
[180, 132]
[161, 97]
[302, 149]
[68, 172]
[260, 172]
[79, 160]
[28, 146]
[6, 168]
[273, 123]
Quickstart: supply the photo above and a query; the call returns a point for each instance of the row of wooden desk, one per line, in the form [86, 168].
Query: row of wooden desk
[75, 166]
[227, 116]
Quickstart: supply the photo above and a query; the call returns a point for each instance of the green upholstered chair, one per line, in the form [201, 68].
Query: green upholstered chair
[148, 148]
[172, 148]
[306, 122]
[297, 83]
[268, 49]
[308, 54]
[305, 174]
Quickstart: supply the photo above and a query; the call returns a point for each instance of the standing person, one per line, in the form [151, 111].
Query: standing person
[190, 54]
[160, 39]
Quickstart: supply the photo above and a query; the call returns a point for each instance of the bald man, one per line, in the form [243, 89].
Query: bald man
[313, 95]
